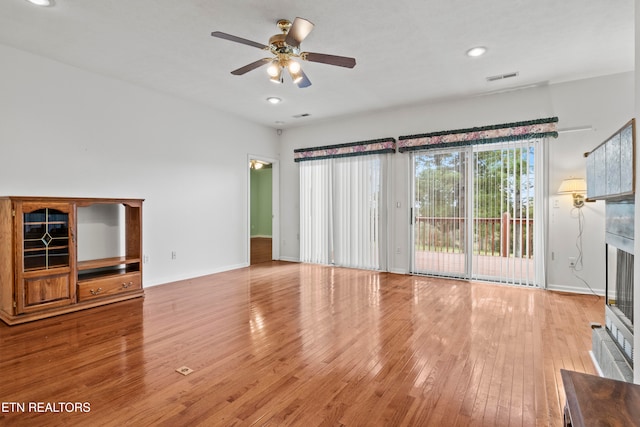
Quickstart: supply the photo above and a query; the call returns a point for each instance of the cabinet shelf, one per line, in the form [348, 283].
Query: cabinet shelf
[106, 262]
[107, 272]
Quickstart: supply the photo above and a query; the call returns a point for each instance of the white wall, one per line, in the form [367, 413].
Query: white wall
[67, 132]
[604, 103]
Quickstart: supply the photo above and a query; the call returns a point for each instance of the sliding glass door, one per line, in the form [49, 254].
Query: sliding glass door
[440, 213]
[477, 210]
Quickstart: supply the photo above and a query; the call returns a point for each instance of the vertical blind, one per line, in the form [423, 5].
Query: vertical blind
[341, 211]
[508, 207]
[316, 230]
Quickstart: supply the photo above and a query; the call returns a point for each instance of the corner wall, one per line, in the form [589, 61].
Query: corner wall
[68, 132]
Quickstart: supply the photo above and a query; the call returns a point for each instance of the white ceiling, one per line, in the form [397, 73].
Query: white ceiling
[407, 51]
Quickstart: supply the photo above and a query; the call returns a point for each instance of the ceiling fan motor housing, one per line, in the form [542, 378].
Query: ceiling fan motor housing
[277, 45]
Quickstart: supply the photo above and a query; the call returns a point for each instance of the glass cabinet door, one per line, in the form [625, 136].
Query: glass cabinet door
[46, 239]
[45, 233]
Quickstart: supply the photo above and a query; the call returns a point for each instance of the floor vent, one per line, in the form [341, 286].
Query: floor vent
[502, 76]
[184, 370]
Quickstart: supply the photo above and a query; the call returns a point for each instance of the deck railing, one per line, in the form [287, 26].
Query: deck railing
[504, 236]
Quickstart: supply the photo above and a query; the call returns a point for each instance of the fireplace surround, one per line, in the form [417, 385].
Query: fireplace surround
[611, 177]
[619, 230]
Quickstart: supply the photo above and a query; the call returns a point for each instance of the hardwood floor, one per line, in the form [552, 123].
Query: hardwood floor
[260, 250]
[296, 344]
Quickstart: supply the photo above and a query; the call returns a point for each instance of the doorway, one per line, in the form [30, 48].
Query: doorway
[262, 218]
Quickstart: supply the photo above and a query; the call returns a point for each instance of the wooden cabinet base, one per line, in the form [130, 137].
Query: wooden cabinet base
[41, 274]
[24, 318]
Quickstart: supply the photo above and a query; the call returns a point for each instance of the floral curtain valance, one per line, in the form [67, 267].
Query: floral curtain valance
[483, 135]
[362, 148]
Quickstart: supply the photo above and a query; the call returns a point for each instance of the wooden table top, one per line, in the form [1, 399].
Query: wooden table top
[597, 401]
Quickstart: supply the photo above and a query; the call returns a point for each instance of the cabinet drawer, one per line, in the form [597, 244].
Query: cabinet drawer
[107, 286]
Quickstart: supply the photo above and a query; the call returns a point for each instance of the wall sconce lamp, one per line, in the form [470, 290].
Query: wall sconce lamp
[577, 187]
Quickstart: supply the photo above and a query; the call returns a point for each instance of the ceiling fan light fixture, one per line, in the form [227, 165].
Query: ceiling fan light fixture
[274, 68]
[296, 77]
[286, 47]
[294, 66]
[258, 164]
[277, 78]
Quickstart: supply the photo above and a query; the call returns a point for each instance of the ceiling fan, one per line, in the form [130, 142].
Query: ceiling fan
[286, 47]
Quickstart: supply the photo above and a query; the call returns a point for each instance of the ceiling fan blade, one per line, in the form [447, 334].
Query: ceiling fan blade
[259, 63]
[221, 35]
[299, 30]
[341, 61]
[304, 81]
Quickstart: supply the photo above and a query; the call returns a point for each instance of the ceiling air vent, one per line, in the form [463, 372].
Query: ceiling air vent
[502, 76]
[298, 116]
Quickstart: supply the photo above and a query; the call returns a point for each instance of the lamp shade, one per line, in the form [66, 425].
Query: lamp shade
[274, 68]
[573, 186]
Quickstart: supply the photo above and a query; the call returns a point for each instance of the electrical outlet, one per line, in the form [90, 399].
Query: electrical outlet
[572, 262]
[145, 259]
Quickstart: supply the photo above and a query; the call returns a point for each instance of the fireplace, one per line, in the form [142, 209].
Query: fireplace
[619, 285]
[611, 177]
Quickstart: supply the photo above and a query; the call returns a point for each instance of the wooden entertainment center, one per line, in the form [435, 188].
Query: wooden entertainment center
[40, 274]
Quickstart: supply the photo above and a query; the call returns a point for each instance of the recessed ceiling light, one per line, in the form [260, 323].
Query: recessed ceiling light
[44, 3]
[476, 51]
[274, 100]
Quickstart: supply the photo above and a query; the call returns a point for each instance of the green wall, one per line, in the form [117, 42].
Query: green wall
[261, 202]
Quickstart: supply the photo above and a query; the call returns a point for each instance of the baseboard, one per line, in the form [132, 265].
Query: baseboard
[289, 259]
[575, 290]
